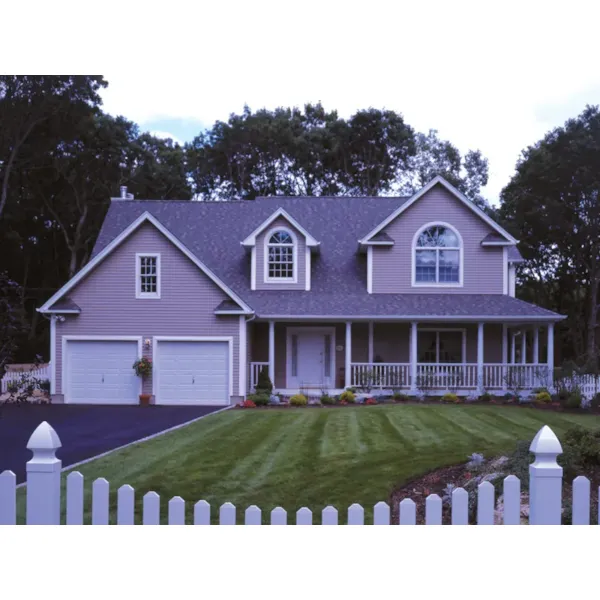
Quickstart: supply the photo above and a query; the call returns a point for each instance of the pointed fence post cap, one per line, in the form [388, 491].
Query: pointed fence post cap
[44, 438]
[545, 442]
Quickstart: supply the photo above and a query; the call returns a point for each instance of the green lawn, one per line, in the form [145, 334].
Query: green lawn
[314, 457]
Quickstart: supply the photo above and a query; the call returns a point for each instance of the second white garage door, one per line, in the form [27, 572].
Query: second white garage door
[192, 372]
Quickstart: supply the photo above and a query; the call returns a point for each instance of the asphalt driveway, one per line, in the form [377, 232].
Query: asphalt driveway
[84, 431]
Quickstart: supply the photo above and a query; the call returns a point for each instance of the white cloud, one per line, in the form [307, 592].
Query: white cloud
[165, 135]
[488, 76]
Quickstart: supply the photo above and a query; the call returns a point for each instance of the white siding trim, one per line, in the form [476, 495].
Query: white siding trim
[461, 254]
[280, 212]
[307, 269]
[53, 355]
[188, 338]
[253, 268]
[92, 338]
[453, 191]
[505, 270]
[295, 257]
[145, 217]
[242, 367]
[512, 281]
[138, 282]
[370, 269]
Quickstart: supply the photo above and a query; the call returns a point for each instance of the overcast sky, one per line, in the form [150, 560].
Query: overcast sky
[493, 80]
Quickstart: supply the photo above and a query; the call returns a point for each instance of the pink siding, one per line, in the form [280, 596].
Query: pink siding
[483, 267]
[261, 284]
[109, 306]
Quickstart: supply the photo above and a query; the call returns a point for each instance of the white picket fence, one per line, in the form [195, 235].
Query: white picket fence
[43, 372]
[43, 497]
[589, 385]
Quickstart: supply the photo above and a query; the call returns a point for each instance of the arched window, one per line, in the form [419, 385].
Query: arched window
[281, 248]
[438, 256]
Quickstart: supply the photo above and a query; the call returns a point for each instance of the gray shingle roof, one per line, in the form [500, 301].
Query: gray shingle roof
[213, 232]
[64, 304]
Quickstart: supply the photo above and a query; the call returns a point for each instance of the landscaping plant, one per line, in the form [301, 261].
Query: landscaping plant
[298, 400]
[370, 401]
[259, 399]
[347, 397]
[142, 366]
[327, 400]
[248, 404]
[574, 400]
[542, 397]
[400, 397]
[450, 398]
[264, 384]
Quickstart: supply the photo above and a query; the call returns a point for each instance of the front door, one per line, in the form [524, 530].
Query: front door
[310, 358]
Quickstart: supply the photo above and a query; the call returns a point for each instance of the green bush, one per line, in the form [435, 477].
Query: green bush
[400, 397]
[298, 400]
[260, 399]
[485, 397]
[450, 398]
[574, 400]
[348, 397]
[595, 401]
[327, 400]
[582, 446]
[543, 397]
[264, 383]
[44, 385]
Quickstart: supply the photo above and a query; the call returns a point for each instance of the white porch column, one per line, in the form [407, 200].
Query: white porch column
[371, 327]
[348, 347]
[413, 358]
[272, 352]
[504, 355]
[513, 348]
[551, 355]
[480, 357]
[536, 345]
[523, 347]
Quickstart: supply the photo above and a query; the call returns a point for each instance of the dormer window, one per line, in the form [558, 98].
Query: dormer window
[281, 256]
[147, 276]
[437, 256]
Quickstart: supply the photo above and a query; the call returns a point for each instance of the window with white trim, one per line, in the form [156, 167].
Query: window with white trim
[437, 256]
[281, 251]
[148, 276]
[444, 346]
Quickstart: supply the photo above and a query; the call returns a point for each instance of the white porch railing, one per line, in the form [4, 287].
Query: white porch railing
[43, 372]
[255, 369]
[380, 375]
[450, 376]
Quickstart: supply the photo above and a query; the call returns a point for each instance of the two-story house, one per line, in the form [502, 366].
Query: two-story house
[414, 293]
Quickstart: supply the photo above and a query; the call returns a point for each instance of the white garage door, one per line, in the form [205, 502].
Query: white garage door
[192, 372]
[101, 372]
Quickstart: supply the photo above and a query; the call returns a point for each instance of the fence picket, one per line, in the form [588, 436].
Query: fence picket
[278, 516]
[433, 510]
[100, 491]
[75, 498]
[304, 516]
[151, 509]
[460, 507]
[253, 515]
[485, 503]
[356, 515]
[125, 505]
[381, 514]
[329, 516]
[408, 512]
[202, 513]
[176, 511]
[512, 500]
[8, 498]
[227, 514]
[581, 501]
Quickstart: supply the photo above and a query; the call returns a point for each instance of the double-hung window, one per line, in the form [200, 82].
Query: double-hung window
[147, 276]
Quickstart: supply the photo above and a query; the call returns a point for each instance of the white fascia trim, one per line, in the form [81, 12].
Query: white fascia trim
[58, 311]
[145, 217]
[139, 295]
[505, 271]
[280, 212]
[232, 312]
[307, 269]
[376, 243]
[188, 338]
[92, 338]
[369, 269]
[506, 243]
[416, 318]
[453, 191]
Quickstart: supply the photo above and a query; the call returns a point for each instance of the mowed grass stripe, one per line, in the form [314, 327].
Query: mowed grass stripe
[313, 457]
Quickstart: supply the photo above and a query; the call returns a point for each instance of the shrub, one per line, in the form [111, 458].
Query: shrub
[574, 400]
[400, 397]
[327, 400]
[543, 397]
[259, 399]
[248, 404]
[298, 400]
[347, 397]
[450, 398]
[370, 401]
[264, 383]
[44, 385]
[595, 401]
[581, 450]
[485, 397]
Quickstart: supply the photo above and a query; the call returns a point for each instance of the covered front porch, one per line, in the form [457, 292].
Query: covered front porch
[415, 357]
